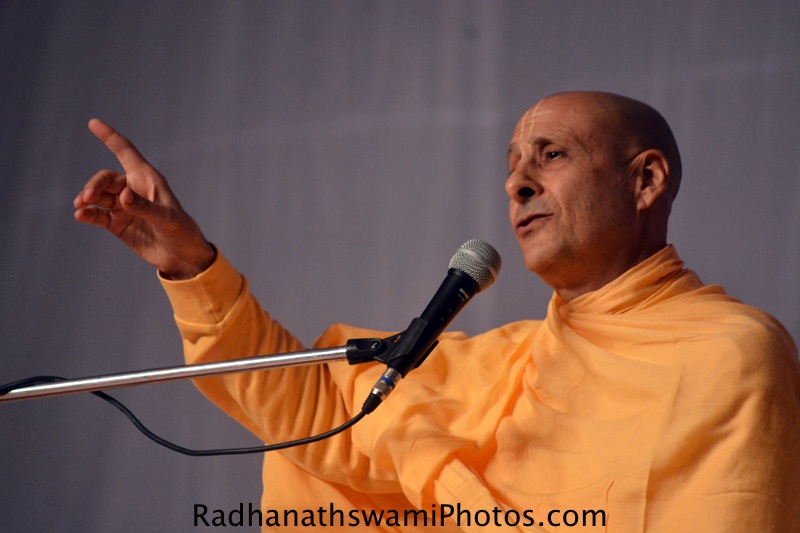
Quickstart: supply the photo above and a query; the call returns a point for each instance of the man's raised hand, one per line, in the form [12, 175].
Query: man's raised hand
[139, 208]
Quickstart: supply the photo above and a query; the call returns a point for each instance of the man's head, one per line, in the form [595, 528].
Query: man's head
[592, 177]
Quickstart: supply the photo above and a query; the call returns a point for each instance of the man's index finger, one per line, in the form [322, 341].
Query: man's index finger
[123, 149]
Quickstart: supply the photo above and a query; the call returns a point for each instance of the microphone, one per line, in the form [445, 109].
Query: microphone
[473, 268]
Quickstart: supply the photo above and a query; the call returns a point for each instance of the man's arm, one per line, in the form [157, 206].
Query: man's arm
[219, 318]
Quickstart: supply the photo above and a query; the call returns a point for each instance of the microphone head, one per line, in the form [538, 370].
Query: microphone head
[479, 260]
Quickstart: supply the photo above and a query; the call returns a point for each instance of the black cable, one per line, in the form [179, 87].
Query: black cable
[4, 389]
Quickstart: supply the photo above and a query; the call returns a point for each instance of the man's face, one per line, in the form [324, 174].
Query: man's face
[572, 204]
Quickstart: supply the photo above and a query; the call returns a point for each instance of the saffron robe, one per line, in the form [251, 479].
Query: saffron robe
[666, 404]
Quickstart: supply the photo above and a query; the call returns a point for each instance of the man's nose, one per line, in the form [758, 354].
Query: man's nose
[520, 185]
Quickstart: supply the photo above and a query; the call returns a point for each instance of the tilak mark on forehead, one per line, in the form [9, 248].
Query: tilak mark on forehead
[528, 120]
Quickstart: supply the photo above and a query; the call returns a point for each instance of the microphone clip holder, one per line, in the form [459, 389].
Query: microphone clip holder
[395, 351]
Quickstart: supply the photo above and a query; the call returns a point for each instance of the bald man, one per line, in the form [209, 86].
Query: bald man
[644, 401]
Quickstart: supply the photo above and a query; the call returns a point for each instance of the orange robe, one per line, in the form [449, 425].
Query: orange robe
[660, 402]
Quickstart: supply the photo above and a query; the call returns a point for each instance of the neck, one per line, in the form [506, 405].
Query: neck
[568, 290]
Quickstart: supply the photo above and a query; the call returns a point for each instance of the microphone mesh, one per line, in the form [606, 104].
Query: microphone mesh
[479, 260]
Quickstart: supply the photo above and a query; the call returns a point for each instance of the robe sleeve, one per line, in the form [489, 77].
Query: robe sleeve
[219, 319]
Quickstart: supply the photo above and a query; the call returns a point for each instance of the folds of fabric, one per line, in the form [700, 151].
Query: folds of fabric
[663, 403]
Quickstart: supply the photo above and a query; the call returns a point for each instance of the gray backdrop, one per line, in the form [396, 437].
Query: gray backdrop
[337, 153]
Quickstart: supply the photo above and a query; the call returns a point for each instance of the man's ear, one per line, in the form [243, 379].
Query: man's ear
[651, 169]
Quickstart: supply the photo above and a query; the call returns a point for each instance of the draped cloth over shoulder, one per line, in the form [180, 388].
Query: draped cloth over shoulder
[666, 404]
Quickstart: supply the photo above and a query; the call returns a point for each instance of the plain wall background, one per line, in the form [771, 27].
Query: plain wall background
[337, 153]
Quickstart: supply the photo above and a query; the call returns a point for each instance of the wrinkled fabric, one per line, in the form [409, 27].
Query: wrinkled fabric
[666, 404]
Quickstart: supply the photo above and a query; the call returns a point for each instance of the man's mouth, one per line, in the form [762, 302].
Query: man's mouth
[528, 222]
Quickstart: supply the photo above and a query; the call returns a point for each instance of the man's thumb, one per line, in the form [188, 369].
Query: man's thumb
[136, 204]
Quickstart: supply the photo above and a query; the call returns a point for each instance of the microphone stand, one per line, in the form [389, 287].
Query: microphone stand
[356, 351]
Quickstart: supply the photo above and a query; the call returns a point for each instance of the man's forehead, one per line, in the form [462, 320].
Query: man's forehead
[562, 115]
[527, 120]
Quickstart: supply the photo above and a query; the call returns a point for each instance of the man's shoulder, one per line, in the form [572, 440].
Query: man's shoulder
[712, 326]
[725, 316]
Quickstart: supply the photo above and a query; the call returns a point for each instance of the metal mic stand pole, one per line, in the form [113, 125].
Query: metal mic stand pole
[356, 351]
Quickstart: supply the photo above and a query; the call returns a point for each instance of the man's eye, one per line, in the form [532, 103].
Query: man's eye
[552, 154]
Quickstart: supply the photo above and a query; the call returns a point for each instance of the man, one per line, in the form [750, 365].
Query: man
[644, 401]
